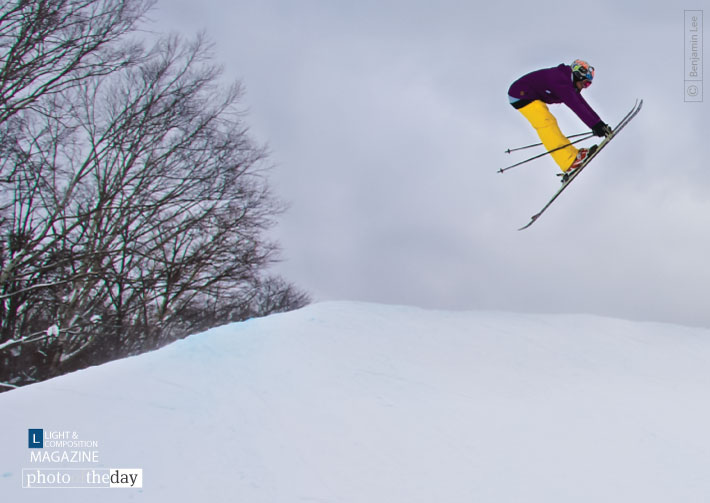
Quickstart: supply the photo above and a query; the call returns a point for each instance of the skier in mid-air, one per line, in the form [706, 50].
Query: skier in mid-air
[530, 95]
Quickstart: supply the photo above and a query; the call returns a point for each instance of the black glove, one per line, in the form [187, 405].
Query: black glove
[601, 129]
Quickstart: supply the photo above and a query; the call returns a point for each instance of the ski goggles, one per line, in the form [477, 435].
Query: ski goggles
[587, 72]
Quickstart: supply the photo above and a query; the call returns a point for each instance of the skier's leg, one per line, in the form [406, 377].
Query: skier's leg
[549, 132]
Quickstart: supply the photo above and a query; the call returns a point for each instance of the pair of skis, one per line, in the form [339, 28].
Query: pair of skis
[567, 179]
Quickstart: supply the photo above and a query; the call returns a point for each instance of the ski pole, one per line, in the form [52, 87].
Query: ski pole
[503, 170]
[538, 144]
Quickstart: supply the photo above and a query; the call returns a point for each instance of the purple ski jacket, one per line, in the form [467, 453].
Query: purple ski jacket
[554, 85]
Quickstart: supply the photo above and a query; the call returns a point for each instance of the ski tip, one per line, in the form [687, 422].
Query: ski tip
[532, 221]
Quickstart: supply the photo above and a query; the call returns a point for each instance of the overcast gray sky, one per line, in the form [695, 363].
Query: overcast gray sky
[387, 121]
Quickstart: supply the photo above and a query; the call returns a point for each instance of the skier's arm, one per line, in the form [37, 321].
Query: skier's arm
[579, 106]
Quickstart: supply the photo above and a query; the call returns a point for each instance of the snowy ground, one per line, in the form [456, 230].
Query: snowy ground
[346, 402]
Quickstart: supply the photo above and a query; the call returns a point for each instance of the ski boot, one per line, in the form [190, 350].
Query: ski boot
[582, 155]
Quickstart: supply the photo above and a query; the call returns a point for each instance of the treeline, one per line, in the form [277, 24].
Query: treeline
[133, 202]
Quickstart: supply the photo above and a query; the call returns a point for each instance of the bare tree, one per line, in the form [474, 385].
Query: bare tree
[134, 215]
[47, 46]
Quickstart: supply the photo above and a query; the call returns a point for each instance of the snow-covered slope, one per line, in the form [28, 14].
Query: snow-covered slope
[346, 402]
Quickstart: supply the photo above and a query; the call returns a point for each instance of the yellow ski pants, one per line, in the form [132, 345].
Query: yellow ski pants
[549, 132]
